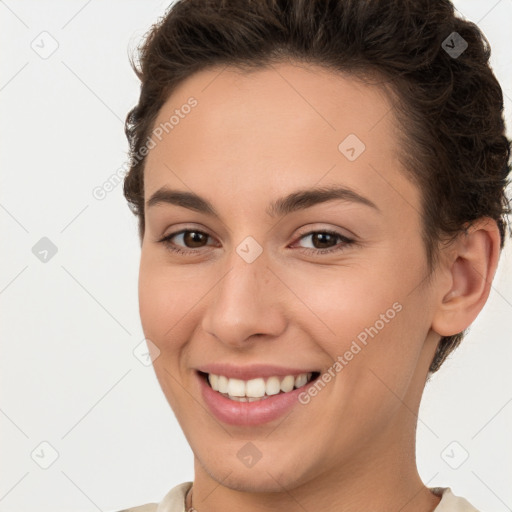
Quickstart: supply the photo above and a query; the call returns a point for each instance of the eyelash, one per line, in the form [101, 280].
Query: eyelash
[346, 242]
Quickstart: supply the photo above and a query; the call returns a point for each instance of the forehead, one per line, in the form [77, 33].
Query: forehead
[274, 129]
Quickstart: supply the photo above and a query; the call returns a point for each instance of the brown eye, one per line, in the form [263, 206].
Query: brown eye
[322, 240]
[194, 238]
[185, 241]
[325, 241]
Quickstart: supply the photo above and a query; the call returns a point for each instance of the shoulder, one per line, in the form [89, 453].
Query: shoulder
[149, 507]
[450, 502]
[175, 498]
[173, 501]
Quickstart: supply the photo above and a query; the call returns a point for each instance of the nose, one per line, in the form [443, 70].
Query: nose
[244, 305]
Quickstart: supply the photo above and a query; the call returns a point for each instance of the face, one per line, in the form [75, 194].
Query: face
[261, 280]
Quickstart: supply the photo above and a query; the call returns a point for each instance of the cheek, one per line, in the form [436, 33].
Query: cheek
[375, 313]
[162, 302]
[341, 304]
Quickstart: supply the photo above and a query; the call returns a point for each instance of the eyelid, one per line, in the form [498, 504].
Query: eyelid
[315, 228]
[328, 231]
[187, 227]
[343, 244]
[166, 238]
[303, 231]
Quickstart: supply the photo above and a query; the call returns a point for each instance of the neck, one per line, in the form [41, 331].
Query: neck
[380, 475]
[382, 484]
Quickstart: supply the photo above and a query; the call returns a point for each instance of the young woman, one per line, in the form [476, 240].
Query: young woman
[320, 194]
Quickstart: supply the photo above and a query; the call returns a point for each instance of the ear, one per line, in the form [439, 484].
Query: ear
[469, 266]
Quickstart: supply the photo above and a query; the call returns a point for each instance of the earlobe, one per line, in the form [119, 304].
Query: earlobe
[471, 267]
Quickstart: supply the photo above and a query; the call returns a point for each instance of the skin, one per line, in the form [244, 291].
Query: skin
[251, 139]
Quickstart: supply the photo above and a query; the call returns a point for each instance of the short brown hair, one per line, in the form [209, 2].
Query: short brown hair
[450, 107]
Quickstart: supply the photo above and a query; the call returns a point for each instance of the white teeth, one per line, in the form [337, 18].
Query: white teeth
[214, 381]
[300, 380]
[256, 389]
[287, 383]
[273, 386]
[246, 398]
[223, 384]
[236, 387]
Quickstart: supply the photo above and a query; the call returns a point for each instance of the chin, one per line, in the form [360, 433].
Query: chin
[255, 481]
[270, 475]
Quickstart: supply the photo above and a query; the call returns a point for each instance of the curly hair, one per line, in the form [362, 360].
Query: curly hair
[449, 106]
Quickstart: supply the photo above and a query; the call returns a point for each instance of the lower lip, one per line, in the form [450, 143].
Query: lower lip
[249, 413]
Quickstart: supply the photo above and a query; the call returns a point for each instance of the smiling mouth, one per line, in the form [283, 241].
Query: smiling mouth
[256, 389]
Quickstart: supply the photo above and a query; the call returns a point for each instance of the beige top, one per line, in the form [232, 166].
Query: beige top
[174, 501]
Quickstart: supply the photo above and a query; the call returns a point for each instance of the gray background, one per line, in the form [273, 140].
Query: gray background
[84, 423]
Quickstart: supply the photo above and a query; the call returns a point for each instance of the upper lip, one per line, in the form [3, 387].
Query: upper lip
[252, 371]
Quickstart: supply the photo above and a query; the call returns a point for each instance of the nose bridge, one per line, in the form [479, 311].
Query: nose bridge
[242, 302]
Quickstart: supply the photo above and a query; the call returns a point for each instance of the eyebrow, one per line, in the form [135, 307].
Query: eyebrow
[298, 200]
